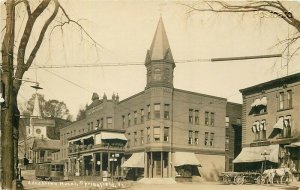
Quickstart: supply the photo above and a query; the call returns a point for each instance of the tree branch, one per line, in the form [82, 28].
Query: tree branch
[69, 20]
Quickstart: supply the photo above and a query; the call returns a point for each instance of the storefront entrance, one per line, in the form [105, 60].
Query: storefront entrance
[157, 163]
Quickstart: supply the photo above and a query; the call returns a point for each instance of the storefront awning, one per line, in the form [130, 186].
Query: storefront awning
[135, 161]
[110, 136]
[186, 158]
[253, 154]
[294, 145]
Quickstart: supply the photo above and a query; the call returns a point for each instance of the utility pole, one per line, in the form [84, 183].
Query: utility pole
[7, 152]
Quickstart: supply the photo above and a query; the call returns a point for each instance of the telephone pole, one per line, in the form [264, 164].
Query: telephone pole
[7, 151]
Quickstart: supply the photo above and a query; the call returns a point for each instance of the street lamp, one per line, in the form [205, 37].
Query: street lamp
[264, 164]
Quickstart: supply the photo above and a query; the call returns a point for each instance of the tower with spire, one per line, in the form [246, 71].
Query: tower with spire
[159, 60]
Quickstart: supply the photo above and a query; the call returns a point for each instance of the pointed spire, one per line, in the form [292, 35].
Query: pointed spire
[160, 48]
[36, 107]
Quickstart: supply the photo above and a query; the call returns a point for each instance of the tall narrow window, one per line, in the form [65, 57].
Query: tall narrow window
[227, 142]
[135, 117]
[92, 125]
[128, 140]
[142, 136]
[196, 137]
[157, 74]
[129, 119]
[167, 111]
[166, 134]
[190, 141]
[190, 115]
[281, 100]
[206, 138]
[148, 134]
[123, 121]
[262, 130]
[101, 122]
[148, 112]
[135, 138]
[289, 99]
[156, 134]
[98, 123]
[212, 139]
[157, 111]
[197, 117]
[142, 115]
[226, 121]
[89, 126]
[206, 118]
[109, 122]
[212, 119]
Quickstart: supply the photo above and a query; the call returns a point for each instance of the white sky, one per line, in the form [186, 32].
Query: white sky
[125, 30]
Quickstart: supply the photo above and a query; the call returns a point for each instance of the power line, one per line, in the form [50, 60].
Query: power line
[138, 63]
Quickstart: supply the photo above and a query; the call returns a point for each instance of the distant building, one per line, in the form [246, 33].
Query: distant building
[271, 124]
[170, 132]
[38, 137]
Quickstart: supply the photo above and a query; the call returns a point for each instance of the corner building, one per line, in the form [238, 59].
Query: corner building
[171, 133]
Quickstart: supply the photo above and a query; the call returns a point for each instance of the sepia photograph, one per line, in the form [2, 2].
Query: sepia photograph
[150, 94]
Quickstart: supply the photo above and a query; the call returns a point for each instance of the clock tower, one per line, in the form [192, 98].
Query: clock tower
[159, 60]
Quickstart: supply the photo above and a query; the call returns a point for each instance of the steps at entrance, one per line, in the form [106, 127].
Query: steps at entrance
[157, 181]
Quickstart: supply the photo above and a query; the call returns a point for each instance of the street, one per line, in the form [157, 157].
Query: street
[32, 185]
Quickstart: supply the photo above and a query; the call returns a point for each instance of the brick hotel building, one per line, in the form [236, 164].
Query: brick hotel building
[160, 132]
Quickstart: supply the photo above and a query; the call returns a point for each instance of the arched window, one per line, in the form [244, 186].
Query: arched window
[157, 74]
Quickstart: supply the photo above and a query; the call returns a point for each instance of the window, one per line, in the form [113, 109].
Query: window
[157, 110]
[92, 126]
[262, 130]
[156, 134]
[167, 111]
[157, 74]
[123, 121]
[135, 117]
[212, 119]
[142, 115]
[281, 100]
[227, 142]
[238, 121]
[190, 141]
[89, 126]
[197, 117]
[206, 138]
[166, 134]
[98, 123]
[142, 136]
[128, 140]
[149, 112]
[129, 119]
[190, 116]
[135, 138]
[148, 135]
[289, 99]
[109, 122]
[101, 122]
[287, 132]
[212, 138]
[206, 118]
[196, 137]
[226, 121]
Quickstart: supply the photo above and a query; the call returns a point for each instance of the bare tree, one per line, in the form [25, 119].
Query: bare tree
[12, 76]
[275, 8]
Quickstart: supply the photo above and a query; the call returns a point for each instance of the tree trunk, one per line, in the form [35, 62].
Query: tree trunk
[7, 114]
